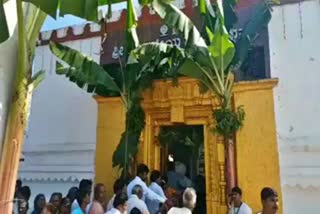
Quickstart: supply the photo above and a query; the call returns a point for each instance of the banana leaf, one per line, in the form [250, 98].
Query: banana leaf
[83, 71]
[230, 15]
[125, 150]
[87, 9]
[176, 19]
[132, 40]
[259, 20]
[4, 31]
[221, 48]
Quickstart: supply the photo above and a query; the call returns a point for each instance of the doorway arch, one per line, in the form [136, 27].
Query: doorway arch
[168, 105]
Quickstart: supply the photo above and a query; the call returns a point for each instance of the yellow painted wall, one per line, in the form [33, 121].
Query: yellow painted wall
[257, 156]
[109, 129]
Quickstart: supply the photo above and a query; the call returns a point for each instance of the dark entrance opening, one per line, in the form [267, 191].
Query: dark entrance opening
[182, 158]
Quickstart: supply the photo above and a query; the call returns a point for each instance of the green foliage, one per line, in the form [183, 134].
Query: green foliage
[83, 71]
[221, 48]
[126, 150]
[251, 31]
[176, 19]
[132, 40]
[210, 62]
[230, 15]
[127, 80]
[87, 9]
[124, 80]
[228, 121]
[202, 6]
[4, 31]
[190, 136]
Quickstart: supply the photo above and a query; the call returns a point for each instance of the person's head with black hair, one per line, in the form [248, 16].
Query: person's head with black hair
[142, 171]
[25, 193]
[85, 184]
[135, 211]
[83, 198]
[65, 206]
[270, 201]
[18, 187]
[120, 202]
[39, 203]
[118, 186]
[56, 199]
[18, 184]
[72, 193]
[236, 196]
[100, 193]
[155, 177]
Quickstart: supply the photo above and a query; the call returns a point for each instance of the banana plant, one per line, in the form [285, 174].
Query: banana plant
[209, 62]
[112, 80]
[127, 79]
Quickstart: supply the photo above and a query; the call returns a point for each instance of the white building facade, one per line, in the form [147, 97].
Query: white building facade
[295, 60]
[60, 139]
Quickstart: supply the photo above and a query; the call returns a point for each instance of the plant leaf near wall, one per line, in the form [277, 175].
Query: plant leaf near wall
[4, 31]
[228, 121]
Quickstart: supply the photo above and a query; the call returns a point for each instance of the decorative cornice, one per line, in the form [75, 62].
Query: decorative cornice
[264, 84]
[100, 99]
[84, 31]
[54, 177]
[299, 187]
[161, 96]
[301, 182]
[58, 147]
[307, 148]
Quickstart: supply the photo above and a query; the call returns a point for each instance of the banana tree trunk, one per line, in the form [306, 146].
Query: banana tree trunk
[8, 66]
[18, 97]
[12, 147]
[230, 164]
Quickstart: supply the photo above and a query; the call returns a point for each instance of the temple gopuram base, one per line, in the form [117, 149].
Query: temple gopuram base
[256, 150]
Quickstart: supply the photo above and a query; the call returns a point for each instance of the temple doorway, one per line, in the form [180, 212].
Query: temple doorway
[182, 158]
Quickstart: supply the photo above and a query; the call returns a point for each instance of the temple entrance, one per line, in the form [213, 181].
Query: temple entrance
[182, 160]
[182, 144]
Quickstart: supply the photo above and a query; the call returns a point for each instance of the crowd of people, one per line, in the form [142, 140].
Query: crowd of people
[172, 195]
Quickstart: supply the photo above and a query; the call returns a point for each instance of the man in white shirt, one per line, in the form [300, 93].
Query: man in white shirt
[236, 205]
[119, 204]
[142, 174]
[135, 200]
[270, 201]
[189, 199]
[155, 179]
